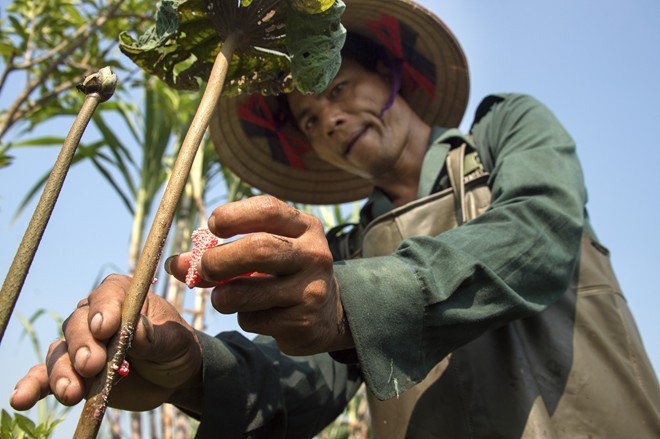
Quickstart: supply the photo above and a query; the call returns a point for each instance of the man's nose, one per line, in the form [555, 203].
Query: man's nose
[333, 118]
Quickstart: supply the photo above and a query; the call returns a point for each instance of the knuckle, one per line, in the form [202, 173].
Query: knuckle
[261, 246]
[320, 257]
[269, 207]
[224, 302]
[114, 278]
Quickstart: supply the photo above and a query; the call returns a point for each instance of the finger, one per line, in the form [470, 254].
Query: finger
[258, 214]
[164, 349]
[178, 265]
[295, 333]
[87, 353]
[161, 334]
[248, 294]
[105, 304]
[93, 323]
[167, 354]
[257, 252]
[64, 382]
[30, 389]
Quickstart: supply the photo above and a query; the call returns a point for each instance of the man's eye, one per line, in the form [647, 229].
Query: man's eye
[337, 89]
[309, 123]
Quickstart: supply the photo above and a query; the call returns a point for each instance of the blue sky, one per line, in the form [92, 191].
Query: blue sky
[596, 67]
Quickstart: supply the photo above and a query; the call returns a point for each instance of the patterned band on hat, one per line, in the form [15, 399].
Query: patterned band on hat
[258, 120]
[400, 40]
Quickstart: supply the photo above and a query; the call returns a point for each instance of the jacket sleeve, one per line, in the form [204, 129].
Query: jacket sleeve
[253, 390]
[434, 294]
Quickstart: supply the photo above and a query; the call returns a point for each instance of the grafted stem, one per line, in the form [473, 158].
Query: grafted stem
[96, 404]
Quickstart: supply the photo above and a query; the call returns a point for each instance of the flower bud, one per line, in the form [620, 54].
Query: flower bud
[102, 83]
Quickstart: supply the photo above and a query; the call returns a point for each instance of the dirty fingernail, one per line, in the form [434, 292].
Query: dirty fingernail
[82, 355]
[97, 321]
[61, 386]
[167, 265]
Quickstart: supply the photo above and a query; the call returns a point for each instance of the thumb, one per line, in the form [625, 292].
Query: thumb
[165, 349]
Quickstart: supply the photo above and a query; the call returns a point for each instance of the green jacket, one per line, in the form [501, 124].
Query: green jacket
[433, 296]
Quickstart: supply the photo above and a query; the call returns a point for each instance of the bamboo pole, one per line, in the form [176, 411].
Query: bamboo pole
[95, 406]
[98, 87]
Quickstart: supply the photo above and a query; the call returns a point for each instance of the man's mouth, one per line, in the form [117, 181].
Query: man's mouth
[349, 145]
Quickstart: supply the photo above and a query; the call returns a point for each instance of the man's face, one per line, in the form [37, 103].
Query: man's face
[344, 123]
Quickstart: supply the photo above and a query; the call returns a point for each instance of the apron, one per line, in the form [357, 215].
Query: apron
[576, 370]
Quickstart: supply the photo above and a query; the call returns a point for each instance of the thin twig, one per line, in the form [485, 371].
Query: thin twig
[28, 247]
[21, 113]
[95, 406]
[8, 69]
[67, 49]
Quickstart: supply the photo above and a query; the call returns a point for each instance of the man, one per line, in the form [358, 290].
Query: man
[510, 325]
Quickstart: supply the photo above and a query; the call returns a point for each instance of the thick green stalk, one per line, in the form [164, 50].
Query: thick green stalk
[95, 406]
[98, 88]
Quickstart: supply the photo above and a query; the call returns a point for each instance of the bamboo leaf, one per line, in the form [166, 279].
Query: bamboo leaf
[108, 176]
[40, 141]
[118, 150]
[126, 111]
[81, 154]
[30, 195]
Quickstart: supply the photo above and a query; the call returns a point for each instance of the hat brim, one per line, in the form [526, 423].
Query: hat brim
[314, 181]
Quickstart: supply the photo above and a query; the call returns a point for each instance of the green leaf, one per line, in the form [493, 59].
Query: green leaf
[315, 42]
[40, 141]
[26, 424]
[6, 424]
[120, 152]
[31, 194]
[6, 50]
[5, 160]
[311, 6]
[108, 176]
[18, 27]
[181, 48]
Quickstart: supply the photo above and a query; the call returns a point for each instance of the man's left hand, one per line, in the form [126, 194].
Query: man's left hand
[294, 296]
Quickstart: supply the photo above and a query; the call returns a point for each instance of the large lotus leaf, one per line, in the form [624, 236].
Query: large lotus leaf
[181, 48]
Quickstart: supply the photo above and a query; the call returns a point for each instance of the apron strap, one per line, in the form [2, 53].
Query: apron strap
[436, 156]
[432, 164]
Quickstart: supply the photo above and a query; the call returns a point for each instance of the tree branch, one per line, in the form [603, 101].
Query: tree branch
[8, 119]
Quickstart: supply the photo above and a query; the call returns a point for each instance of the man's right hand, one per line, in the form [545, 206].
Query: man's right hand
[165, 356]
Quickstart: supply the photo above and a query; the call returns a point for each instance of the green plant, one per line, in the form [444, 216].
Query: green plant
[49, 412]
[20, 427]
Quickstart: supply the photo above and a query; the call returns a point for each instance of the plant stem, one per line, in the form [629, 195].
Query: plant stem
[95, 406]
[20, 266]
